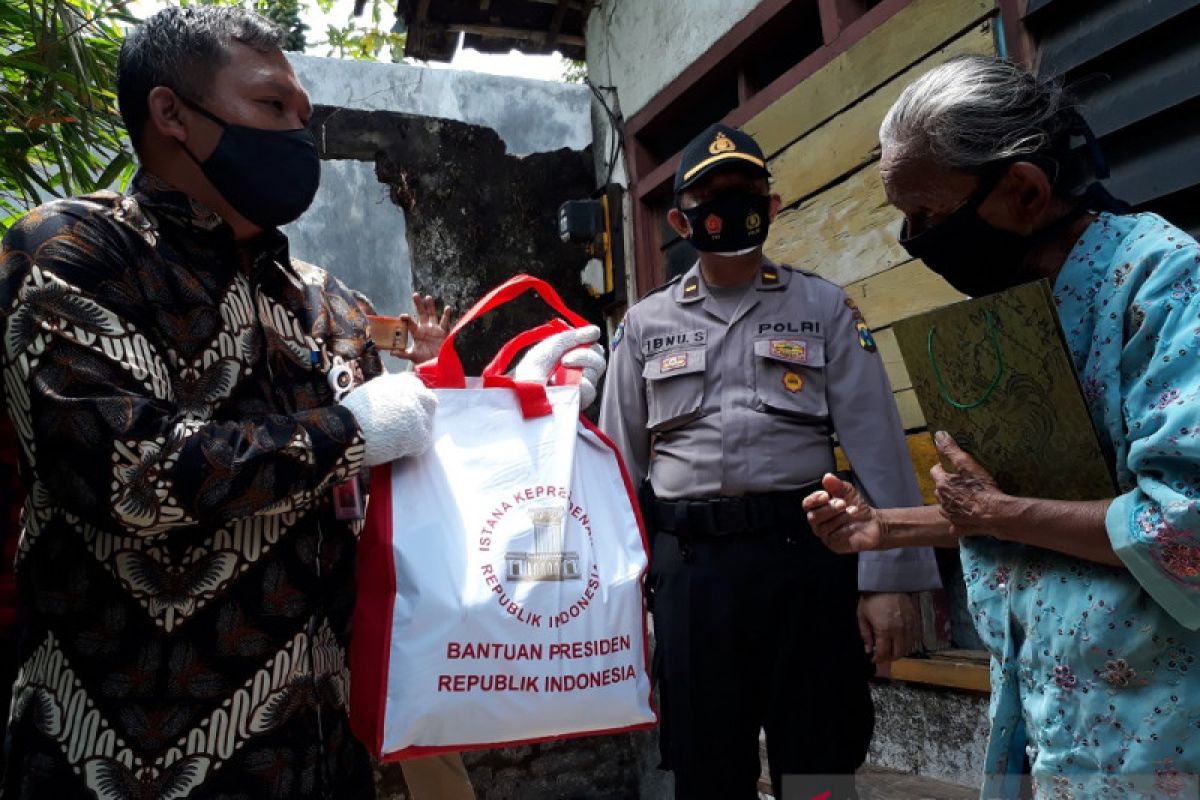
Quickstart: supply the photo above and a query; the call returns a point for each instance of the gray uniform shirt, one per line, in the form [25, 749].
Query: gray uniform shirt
[706, 404]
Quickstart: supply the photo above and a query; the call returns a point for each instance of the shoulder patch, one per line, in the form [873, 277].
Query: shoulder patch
[865, 340]
[618, 335]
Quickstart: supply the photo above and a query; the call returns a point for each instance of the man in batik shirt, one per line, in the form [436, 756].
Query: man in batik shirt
[185, 584]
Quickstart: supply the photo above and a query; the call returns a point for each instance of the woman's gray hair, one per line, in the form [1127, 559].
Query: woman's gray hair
[976, 110]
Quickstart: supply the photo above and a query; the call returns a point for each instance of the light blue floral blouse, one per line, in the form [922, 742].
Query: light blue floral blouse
[1094, 671]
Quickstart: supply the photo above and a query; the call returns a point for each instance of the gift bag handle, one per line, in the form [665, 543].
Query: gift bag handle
[531, 396]
[446, 371]
[519, 342]
[937, 373]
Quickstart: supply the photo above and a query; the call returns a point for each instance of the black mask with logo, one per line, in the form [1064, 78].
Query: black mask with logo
[269, 177]
[730, 222]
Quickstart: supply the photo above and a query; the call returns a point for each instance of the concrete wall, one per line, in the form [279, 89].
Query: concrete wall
[530, 116]
[927, 731]
[634, 50]
[353, 229]
[642, 47]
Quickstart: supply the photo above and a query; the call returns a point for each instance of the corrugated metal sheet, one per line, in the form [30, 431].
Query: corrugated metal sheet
[1135, 65]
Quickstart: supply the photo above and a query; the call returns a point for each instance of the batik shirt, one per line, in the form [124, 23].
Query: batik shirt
[185, 589]
[1094, 669]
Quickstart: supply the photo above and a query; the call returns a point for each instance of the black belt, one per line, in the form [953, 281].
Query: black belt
[717, 517]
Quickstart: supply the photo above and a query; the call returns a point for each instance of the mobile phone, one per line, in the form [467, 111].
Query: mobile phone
[389, 333]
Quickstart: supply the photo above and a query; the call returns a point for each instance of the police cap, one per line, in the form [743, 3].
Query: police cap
[719, 147]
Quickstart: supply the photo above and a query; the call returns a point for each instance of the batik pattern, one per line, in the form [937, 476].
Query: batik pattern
[186, 590]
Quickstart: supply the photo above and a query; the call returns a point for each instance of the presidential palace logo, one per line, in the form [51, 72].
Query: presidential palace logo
[539, 537]
[548, 560]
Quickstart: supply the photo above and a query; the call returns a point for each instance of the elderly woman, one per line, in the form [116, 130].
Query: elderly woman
[1089, 609]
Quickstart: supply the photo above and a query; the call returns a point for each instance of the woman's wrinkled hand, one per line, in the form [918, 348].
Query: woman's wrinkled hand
[969, 497]
[842, 518]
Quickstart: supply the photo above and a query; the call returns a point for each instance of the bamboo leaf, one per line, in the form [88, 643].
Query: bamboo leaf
[115, 170]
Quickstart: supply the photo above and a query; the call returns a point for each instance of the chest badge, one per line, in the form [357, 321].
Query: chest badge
[673, 363]
[794, 350]
[793, 381]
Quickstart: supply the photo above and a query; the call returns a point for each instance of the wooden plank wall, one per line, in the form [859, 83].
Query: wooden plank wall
[822, 142]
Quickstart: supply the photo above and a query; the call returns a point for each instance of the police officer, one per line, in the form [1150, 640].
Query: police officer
[725, 388]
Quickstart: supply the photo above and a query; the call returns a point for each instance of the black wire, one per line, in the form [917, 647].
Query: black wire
[614, 121]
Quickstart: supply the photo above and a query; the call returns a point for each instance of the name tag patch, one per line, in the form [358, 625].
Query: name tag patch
[656, 344]
[793, 350]
[672, 363]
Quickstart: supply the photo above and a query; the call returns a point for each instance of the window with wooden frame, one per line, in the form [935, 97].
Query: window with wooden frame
[773, 48]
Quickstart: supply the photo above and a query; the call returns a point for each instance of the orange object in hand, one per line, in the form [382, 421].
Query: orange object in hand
[389, 333]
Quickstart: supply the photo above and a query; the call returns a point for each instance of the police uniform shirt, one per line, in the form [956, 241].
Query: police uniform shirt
[709, 403]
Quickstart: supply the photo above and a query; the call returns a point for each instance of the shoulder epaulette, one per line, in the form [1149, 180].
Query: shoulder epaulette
[664, 287]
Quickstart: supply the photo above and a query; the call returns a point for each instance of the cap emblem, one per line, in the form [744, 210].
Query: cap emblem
[721, 144]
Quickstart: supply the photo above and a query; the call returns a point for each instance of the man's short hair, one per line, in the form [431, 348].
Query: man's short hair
[182, 49]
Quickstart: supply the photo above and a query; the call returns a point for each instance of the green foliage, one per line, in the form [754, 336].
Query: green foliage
[60, 131]
[363, 42]
[286, 14]
[574, 71]
[354, 39]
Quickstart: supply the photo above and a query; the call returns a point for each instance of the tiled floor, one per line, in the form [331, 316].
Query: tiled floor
[877, 784]
[882, 784]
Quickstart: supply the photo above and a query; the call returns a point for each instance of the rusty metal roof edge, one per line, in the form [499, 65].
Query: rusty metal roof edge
[436, 40]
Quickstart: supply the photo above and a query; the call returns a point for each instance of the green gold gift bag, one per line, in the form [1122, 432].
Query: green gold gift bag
[995, 373]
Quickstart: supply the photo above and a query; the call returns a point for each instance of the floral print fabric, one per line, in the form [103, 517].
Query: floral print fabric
[1094, 672]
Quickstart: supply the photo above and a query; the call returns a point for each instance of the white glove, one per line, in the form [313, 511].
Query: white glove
[395, 412]
[568, 349]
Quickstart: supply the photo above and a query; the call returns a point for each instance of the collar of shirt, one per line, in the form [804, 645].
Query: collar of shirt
[154, 193]
[770, 278]
[168, 203]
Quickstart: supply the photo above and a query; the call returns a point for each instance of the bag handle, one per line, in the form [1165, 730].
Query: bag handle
[446, 371]
[519, 342]
[967, 405]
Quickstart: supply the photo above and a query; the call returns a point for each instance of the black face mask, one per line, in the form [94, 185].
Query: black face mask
[973, 256]
[730, 222]
[269, 177]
